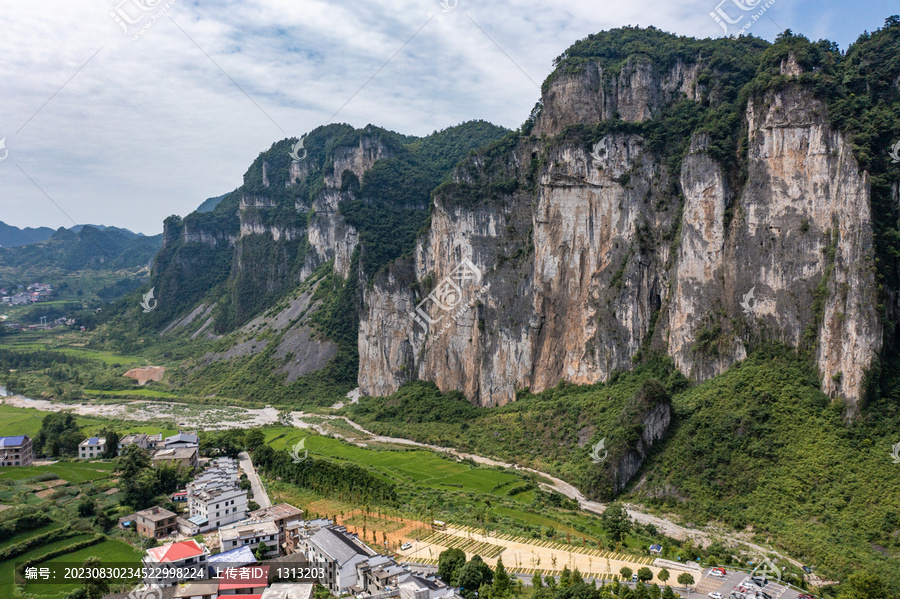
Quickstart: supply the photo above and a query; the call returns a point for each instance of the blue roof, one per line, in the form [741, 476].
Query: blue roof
[93, 441]
[655, 547]
[12, 441]
[198, 520]
[241, 555]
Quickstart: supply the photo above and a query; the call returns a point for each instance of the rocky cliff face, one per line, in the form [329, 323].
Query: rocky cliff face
[583, 256]
[329, 236]
[655, 424]
[800, 240]
[637, 92]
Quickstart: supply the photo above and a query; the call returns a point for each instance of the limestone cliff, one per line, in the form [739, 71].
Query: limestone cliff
[587, 248]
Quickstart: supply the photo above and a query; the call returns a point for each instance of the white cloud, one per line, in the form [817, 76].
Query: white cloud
[152, 127]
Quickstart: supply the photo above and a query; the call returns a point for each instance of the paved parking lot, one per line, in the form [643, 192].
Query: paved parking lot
[734, 578]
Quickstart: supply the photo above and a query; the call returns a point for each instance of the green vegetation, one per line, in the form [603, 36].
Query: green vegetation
[62, 513]
[391, 206]
[75, 472]
[758, 446]
[552, 431]
[144, 485]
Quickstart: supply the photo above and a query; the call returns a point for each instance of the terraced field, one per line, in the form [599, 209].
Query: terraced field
[548, 544]
[468, 545]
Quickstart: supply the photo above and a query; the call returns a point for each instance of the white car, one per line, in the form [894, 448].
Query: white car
[717, 573]
[715, 595]
[405, 546]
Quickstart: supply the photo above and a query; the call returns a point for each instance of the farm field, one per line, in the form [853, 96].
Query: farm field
[7, 568]
[421, 467]
[74, 472]
[24, 536]
[525, 555]
[20, 421]
[112, 553]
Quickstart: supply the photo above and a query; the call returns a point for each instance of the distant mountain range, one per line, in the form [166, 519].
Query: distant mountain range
[11, 236]
[90, 247]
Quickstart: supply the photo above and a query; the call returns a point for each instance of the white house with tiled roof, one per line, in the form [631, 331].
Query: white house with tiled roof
[91, 448]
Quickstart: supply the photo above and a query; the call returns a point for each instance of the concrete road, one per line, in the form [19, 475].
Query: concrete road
[259, 493]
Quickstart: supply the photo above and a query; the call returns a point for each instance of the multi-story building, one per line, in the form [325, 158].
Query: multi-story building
[236, 558]
[92, 448]
[216, 495]
[142, 440]
[296, 531]
[351, 566]
[201, 589]
[339, 552]
[251, 534]
[174, 556]
[289, 590]
[183, 457]
[423, 586]
[280, 514]
[180, 440]
[155, 522]
[16, 451]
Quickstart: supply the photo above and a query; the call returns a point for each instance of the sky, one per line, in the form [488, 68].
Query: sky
[123, 112]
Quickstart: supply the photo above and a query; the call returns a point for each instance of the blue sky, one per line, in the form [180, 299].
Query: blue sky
[115, 118]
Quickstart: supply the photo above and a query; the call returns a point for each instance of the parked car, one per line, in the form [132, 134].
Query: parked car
[719, 572]
[807, 569]
[763, 595]
[737, 596]
[715, 595]
[760, 582]
[634, 578]
[805, 596]
[405, 546]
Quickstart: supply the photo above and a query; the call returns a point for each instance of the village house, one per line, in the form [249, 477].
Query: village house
[174, 556]
[280, 514]
[183, 457]
[251, 534]
[142, 440]
[16, 451]
[216, 497]
[155, 522]
[92, 448]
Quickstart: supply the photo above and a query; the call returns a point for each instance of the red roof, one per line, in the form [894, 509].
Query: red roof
[240, 584]
[174, 552]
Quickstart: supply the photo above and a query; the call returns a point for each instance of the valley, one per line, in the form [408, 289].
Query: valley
[652, 331]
